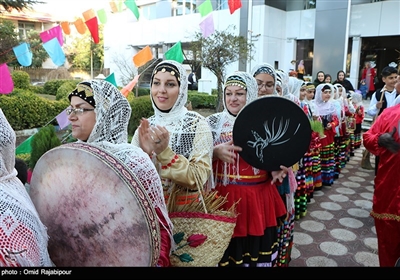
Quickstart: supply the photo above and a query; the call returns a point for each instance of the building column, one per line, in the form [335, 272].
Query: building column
[355, 61]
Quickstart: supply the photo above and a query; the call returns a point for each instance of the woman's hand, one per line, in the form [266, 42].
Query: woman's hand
[226, 151]
[279, 175]
[152, 139]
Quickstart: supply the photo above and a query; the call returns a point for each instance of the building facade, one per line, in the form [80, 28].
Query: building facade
[328, 35]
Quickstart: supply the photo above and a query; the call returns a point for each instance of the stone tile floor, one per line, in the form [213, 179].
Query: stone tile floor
[337, 230]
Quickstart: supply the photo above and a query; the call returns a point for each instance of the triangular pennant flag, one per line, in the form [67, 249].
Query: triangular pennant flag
[62, 119]
[175, 53]
[234, 5]
[142, 57]
[205, 8]
[54, 32]
[7, 84]
[80, 26]
[207, 26]
[93, 27]
[23, 54]
[131, 4]
[89, 14]
[55, 51]
[113, 7]
[65, 27]
[25, 147]
[101, 14]
[128, 88]
[111, 79]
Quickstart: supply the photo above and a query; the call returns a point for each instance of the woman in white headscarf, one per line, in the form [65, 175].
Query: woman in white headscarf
[99, 115]
[327, 114]
[24, 238]
[265, 76]
[254, 241]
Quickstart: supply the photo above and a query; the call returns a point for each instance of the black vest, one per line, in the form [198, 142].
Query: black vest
[378, 94]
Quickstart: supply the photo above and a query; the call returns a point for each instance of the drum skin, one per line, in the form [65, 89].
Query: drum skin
[96, 211]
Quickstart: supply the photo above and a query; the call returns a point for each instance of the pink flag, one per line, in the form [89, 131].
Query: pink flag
[126, 89]
[62, 119]
[7, 84]
[54, 32]
[207, 26]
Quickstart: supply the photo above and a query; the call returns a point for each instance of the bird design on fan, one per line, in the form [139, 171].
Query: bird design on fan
[272, 137]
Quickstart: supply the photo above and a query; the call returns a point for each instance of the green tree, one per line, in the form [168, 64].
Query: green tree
[36, 45]
[219, 50]
[81, 49]
[8, 40]
[8, 5]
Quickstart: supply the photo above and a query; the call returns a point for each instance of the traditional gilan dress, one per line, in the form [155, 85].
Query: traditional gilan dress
[23, 237]
[327, 113]
[259, 205]
[386, 199]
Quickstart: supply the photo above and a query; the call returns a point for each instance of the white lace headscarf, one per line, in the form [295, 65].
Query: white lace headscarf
[324, 108]
[110, 132]
[189, 134]
[21, 229]
[222, 123]
[265, 68]
[284, 79]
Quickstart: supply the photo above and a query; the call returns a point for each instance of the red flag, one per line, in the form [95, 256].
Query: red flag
[126, 89]
[234, 5]
[93, 27]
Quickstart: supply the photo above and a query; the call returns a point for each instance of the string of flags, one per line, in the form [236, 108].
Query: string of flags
[52, 40]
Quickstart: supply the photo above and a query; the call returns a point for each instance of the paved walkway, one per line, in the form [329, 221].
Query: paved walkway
[338, 230]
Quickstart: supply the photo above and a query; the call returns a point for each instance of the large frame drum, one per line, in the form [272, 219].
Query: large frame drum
[95, 209]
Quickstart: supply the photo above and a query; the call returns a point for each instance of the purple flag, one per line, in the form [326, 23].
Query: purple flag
[7, 84]
[24, 54]
[207, 26]
[62, 119]
[55, 51]
[54, 32]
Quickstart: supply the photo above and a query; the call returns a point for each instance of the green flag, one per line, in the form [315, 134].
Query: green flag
[175, 53]
[24, 147]
[133, 7]
[101, 14]
[111, 79]
[205, 8]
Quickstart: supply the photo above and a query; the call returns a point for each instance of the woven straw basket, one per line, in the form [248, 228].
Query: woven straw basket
[201, 238]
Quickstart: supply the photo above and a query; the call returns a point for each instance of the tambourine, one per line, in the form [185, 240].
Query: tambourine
[272, 131]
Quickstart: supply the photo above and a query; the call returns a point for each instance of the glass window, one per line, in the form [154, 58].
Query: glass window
[305, 52]
[23, 28]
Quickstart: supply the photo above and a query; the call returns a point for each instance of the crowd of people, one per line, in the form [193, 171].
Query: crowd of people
[177, 154]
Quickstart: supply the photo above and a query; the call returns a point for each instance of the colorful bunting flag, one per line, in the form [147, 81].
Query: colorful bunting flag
[207, 26]
[89, 14]
[25, 147]
[102, 16]
[175, 53]
[142, 57]
[131, 4]
[80, 26]
[111, 79]
[7, 84]
[113, 7]
[23, 54]
[234, 5]
[65, 27]
[51, 33]
[55, 51]
[128, 88]
[205, 8]
[62, 119]
[93, 27]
